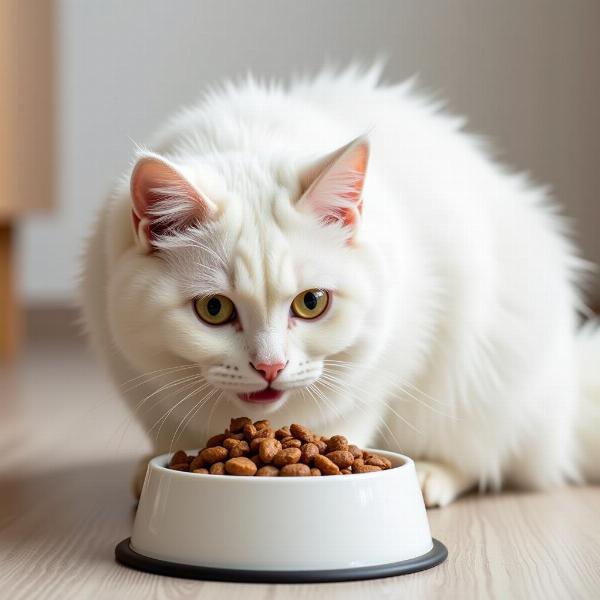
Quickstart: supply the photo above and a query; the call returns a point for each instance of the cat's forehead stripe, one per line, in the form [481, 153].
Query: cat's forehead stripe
[262, 265]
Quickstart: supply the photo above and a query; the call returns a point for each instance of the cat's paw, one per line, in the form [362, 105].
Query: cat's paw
[139, 476]
[440, 484]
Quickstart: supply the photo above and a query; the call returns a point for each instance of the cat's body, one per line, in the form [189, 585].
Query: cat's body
[451, 335]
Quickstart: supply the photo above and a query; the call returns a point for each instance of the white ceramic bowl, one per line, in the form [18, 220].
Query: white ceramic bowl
[283, 523]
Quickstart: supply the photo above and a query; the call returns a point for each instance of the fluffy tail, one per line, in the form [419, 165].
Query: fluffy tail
[588, 348]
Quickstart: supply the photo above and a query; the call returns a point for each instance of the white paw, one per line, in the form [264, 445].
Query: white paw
[440, 484]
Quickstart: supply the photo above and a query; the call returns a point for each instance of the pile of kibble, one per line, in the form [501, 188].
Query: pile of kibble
[248, 448]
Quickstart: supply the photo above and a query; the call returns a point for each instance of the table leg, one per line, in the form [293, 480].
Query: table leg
[10, 318]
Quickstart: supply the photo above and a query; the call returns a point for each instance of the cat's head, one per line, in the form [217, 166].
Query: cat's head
[254, 272]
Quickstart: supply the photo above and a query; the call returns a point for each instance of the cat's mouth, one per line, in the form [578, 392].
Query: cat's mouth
[265, 396]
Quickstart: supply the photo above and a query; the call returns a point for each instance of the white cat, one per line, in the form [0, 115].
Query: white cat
[339, 253]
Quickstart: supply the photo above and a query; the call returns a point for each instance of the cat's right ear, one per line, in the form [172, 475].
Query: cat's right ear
[163, 201]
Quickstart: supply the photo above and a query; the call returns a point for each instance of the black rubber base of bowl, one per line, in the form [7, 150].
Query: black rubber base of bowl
[126, 556]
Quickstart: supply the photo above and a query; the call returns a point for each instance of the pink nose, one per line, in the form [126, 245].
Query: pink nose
[270, 372]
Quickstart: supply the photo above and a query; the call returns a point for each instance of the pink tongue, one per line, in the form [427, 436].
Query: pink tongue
[264, 397]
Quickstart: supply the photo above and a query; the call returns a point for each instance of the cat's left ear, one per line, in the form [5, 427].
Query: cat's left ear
[333, 187]
[164, 201]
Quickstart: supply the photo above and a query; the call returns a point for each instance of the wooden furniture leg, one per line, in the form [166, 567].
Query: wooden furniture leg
[9, 313]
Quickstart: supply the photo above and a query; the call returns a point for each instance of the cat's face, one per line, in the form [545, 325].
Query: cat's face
[257, 294]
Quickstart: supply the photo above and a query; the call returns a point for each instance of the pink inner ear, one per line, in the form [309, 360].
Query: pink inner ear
[336, 194]
[163, 200]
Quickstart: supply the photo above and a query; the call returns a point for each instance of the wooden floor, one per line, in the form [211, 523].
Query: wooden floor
[66, 455]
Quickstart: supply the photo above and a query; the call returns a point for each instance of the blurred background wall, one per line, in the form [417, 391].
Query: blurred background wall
[525, 72]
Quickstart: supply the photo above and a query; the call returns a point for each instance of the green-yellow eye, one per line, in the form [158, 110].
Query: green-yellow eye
[310, 303]
[215, 310]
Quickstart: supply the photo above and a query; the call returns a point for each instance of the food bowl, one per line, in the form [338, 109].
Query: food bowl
[281, 529]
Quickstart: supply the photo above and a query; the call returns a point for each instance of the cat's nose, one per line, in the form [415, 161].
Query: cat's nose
[269, 371]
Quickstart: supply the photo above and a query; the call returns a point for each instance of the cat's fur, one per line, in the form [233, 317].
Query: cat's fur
[454, 309]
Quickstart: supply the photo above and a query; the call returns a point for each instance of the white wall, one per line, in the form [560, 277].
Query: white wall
[523, 71]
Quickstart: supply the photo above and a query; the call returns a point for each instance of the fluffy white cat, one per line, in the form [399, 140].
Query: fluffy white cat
[339, 253]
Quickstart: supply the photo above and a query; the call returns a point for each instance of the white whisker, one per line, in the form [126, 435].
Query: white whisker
[191, 412]
[164, 418]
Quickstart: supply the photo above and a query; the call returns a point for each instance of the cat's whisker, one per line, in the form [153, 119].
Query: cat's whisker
[345, 391]
[393, 394]
[212, 410]
[351, 393]
[310, 392]
[168, 413]
[151, 375]
[152, 405]
[394, 382]
[191, 412]
[202, 404]
[126, 422]
[313, 387]
[381, 401]
[117, 393]
[317, 403]
[167, 386]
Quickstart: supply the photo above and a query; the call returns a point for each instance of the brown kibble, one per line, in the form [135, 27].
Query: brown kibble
[321, 445]
[365, 468]
[213, 455]
[241, 466]
[265, 432]
[237, 425]
[355, 450]
[342, 458]
[337, 442]
[181, 467]
[230, 443]
[379, 461]
[217, 468]
[255, 443]
[249, 432]
[240, 449]
[301, 433]
[282, 432]
[255, 448]
[216, 440]
[179, 458]
[267, 471]
[268, 449]
[202, 471]
[287, 456]
[197, 463]
[295, 470]
[256, 460]
[309, 451]
[291, 443]
[326, 466]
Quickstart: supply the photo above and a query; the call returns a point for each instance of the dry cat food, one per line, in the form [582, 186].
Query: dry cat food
[256, 449]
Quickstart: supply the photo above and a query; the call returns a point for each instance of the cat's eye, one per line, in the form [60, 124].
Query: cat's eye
[310, 303]
[215, 310]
